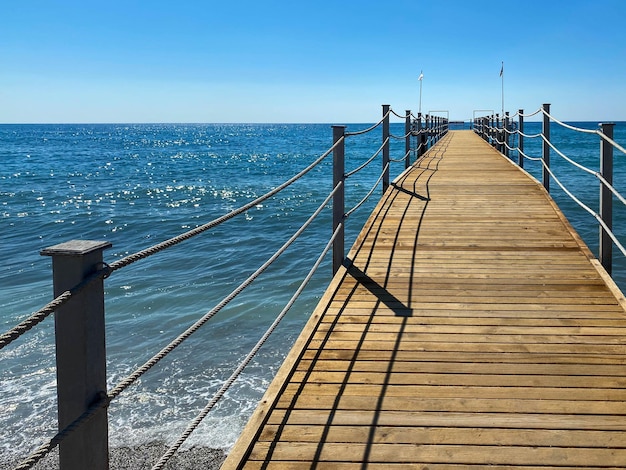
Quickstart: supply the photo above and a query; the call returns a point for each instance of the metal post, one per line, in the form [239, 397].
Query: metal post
[420, 136]
[545, 154]
[385, 147]
[498, 134]
[339, 179]
[506, 139]
[80, 353]
[428, 131]
[520, 131]
[606, 197]
[407, 139]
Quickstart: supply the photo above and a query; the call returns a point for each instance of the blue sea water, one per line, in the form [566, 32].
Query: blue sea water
[137, 185]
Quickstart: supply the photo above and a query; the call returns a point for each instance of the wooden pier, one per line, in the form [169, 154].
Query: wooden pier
[470, 328]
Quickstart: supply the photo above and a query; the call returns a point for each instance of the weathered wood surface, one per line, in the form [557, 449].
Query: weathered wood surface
[472, 329]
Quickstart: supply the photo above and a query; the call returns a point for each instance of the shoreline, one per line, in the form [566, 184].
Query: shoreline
[143, 457]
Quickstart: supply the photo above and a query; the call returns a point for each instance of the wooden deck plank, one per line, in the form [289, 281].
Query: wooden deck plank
[470, 328]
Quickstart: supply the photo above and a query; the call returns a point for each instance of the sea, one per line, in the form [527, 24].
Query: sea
[136, 185]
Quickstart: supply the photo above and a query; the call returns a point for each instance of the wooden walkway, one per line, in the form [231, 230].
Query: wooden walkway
[473, 329]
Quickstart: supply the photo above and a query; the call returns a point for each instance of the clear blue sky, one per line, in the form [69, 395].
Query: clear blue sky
[314, 61]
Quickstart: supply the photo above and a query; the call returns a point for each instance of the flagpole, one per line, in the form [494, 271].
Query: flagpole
[421, 78]
[502, 76]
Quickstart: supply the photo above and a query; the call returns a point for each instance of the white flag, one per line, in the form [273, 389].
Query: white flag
[421, 76]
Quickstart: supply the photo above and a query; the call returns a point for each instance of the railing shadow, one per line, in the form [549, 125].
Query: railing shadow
[417, 187]
[428, 173]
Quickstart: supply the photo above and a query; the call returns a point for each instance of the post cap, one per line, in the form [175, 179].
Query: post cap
[76, 248]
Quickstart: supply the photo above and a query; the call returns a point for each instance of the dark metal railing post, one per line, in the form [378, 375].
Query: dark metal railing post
[80, 353]
[339, 179]
[507, 124]
[428, 131]
[498, 134]
[545, 154]
[420, 136]
[385, 147]
[492, 131]
[407, 139]
[520, 131]
[606, 197]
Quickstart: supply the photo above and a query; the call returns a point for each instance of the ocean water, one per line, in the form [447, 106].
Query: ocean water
[137, 185]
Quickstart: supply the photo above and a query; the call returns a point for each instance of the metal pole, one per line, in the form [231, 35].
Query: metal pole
[498, 134]
[421, 77]
[407, 139]
[339, 179]
[420, 136]
[385, 147]
[606, 197]
[520, 131]
[506, 133]
[80, 353]
[545, 154]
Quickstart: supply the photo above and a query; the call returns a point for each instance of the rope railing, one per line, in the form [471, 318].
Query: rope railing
[567, 159]
[125, 383]
[568, 126]
[59, 301]
[491, 128]
[37, 317]
[392, 111]
[588, 131]
[612, 142]
[368, 161]
[193, 425]
[519, 113]
[528, 157]
[369, 129]
[49, 446]
[368, 195]
[589, 210]
[399, 160]
[400, 137]
[432, 130]
[133, 377]
[529, 136]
